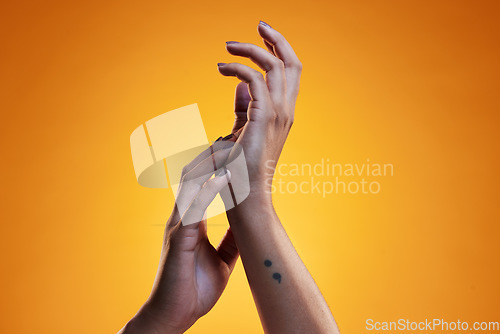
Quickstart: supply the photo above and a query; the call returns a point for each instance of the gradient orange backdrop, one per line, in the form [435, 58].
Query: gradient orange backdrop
[412, 83]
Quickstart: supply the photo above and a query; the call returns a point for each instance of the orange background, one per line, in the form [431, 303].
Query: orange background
[412, 83]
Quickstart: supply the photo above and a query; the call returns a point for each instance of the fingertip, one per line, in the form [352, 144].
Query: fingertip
[243, 93]
[224, 69]
[264, 24]
[219, 66]
[264, 30]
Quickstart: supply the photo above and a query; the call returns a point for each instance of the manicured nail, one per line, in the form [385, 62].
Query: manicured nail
[231, 42]
[227, 137]
[264, 24]
[221, 64]
[218, 139]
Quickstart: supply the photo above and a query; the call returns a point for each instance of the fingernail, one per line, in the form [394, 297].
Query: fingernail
[227, 137]
[222, 172]
[218, 139]
[221, 64]
[231, 42]
[264, 24]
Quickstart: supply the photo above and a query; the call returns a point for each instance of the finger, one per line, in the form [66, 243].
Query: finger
[236, 135]
[204, 155]
[284, 51]
[205, 168]
[241, 100]
[256, 83]
[194, 178]
[203, 225]
[280, 45]
[197, 208]
[186, 238]
[227, 249]
[273, 66]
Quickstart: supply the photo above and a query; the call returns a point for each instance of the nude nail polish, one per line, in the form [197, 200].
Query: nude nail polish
[221, 64]
[231, 42]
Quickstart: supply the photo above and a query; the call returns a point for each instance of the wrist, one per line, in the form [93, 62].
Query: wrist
[139, 324]
[257, 205]
[257, 200]
[147, 322]
[261, 191]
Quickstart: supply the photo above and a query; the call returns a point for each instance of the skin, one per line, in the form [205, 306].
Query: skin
[192, 273]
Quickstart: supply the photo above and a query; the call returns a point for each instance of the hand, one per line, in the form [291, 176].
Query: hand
[264, 115]
[192, 273]
[264, 110]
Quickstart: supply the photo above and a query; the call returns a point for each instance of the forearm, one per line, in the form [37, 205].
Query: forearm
[287, 298]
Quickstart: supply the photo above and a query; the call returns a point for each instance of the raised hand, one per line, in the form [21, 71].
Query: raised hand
[265, 110]
[192, 273]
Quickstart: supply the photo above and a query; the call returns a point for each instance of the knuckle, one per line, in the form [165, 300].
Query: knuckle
[295, 64]
[278, 63]
[286, 117]
[281, 119]
[273, 116]
[257, 76]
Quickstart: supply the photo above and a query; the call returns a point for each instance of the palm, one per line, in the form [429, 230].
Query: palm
[195, 274]
[210, 273]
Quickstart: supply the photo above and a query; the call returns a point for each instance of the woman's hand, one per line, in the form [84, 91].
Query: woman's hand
[192, 273]
[264, 110]
[286, 296]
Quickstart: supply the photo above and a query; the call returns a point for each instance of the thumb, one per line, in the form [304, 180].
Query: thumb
[227, 250]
